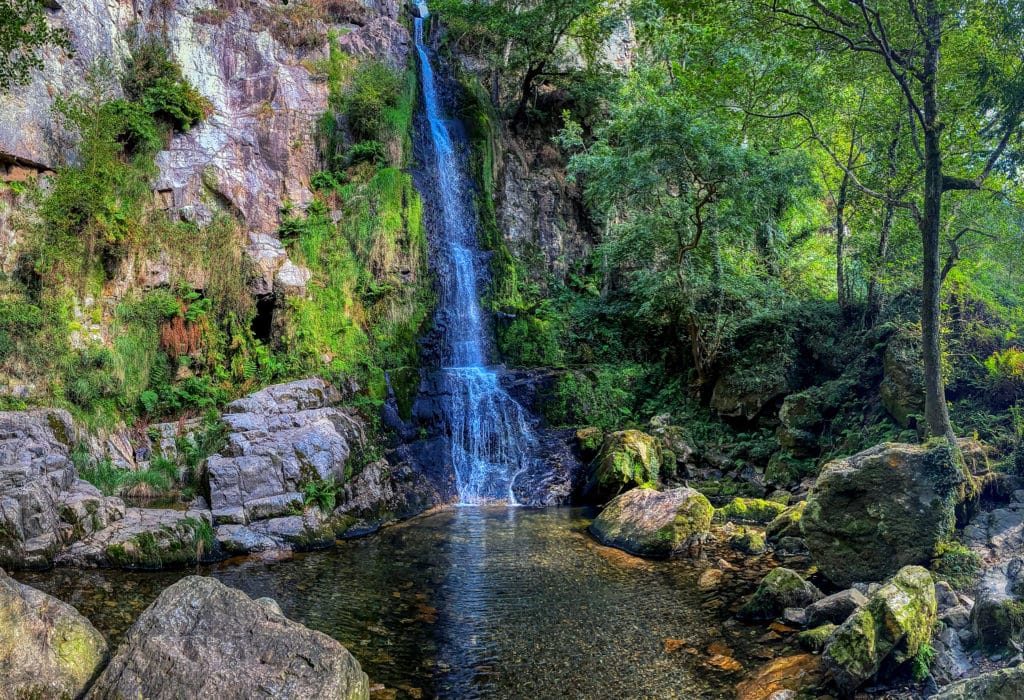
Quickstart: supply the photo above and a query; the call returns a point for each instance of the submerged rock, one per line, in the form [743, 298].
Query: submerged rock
[657, 524]
[782, 588]
[628, 459]
[892, 627]
[1005, 684]
[47, 649]
[201, 638]
[882, 509]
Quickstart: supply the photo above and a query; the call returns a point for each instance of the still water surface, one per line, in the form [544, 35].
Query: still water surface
[477, 602]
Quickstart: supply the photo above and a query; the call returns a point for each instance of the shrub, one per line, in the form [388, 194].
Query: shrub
[321, 493]
[153, 80]
[375, 89]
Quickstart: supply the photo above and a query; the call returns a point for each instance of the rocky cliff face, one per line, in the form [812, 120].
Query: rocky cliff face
[259, 63]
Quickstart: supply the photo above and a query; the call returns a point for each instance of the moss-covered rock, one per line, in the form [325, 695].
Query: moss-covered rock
[786, 523]
[748, 541]
[47, 649]
[656, 524]
[892, 627]
[902, 388]
[1004, 684]
[750, 510]
[813, 640]
[628, 459]
[589, 440]
[782, 588]
[871, 514]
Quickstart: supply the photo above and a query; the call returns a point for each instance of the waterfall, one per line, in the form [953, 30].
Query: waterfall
[490, 438]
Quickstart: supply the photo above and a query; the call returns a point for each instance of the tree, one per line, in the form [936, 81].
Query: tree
[958, 69]
[686, 201]
[528, 38]
[23, 32]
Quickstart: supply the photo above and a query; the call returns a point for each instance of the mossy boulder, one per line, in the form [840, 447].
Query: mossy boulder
[1004, 684]
[890, 629]
[997, 618]
[902, 388]
[589, 441]
[655, 524]
[887, 507]
[47, 649]
[628, 459]
[750, 510]
[813, 640]
[748, 541]
[786, 523]
[782, 588]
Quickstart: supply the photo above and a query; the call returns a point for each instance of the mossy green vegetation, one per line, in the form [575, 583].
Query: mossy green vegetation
[750, 510]
[956, 564]
[814, 640]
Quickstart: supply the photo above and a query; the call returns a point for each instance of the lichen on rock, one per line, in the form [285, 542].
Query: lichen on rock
[656, 524]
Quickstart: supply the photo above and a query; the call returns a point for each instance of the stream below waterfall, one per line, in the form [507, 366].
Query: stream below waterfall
[481, 602]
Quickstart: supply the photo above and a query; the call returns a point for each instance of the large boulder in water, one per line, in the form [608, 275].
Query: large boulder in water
[47, 650]
[628, 459]
[882, 509]
[201, 638]
[657, 524]
[891, 628]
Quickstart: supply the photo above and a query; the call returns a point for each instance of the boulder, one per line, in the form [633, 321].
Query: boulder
[588, 441]
[786, 523]
[201, 638]
[656, 524]
[628, 459]
[782, 588]
[382, 492]
[902, 388]
[280, 439]
[1004, 684]
[750, 510]
[891, 628]
[997, 619]
[870, 514]
[815, 639]
[47, 650]
[748, 542]
[43, 503]
[146, 538]
[835, 608]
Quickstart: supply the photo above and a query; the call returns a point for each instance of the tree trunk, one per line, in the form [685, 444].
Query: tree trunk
[525, 92]
[936, 412]
[841, 291]
[874, 308]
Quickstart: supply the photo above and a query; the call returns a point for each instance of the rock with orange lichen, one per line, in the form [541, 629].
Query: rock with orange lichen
[793, 673]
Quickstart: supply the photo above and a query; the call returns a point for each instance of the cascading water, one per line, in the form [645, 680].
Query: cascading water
[490, 437]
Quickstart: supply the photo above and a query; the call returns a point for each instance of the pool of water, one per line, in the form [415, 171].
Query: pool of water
[482, 602]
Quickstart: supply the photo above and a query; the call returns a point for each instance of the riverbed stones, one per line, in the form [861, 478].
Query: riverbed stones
[871, 514]
[782, 588]
[628, 459]
[835, 608]
[655, 524]
[897, 620]
[201, 638]
[1004, 684]
[281, 438]
[47, 649]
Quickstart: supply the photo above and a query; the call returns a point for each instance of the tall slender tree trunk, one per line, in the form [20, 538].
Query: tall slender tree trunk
[841, 290]
[936, 412]
[874, 307]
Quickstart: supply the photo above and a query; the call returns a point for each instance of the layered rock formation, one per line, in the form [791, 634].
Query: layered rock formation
[43, 503]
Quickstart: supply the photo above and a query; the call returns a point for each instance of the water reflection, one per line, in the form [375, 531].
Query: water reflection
[474, 602]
